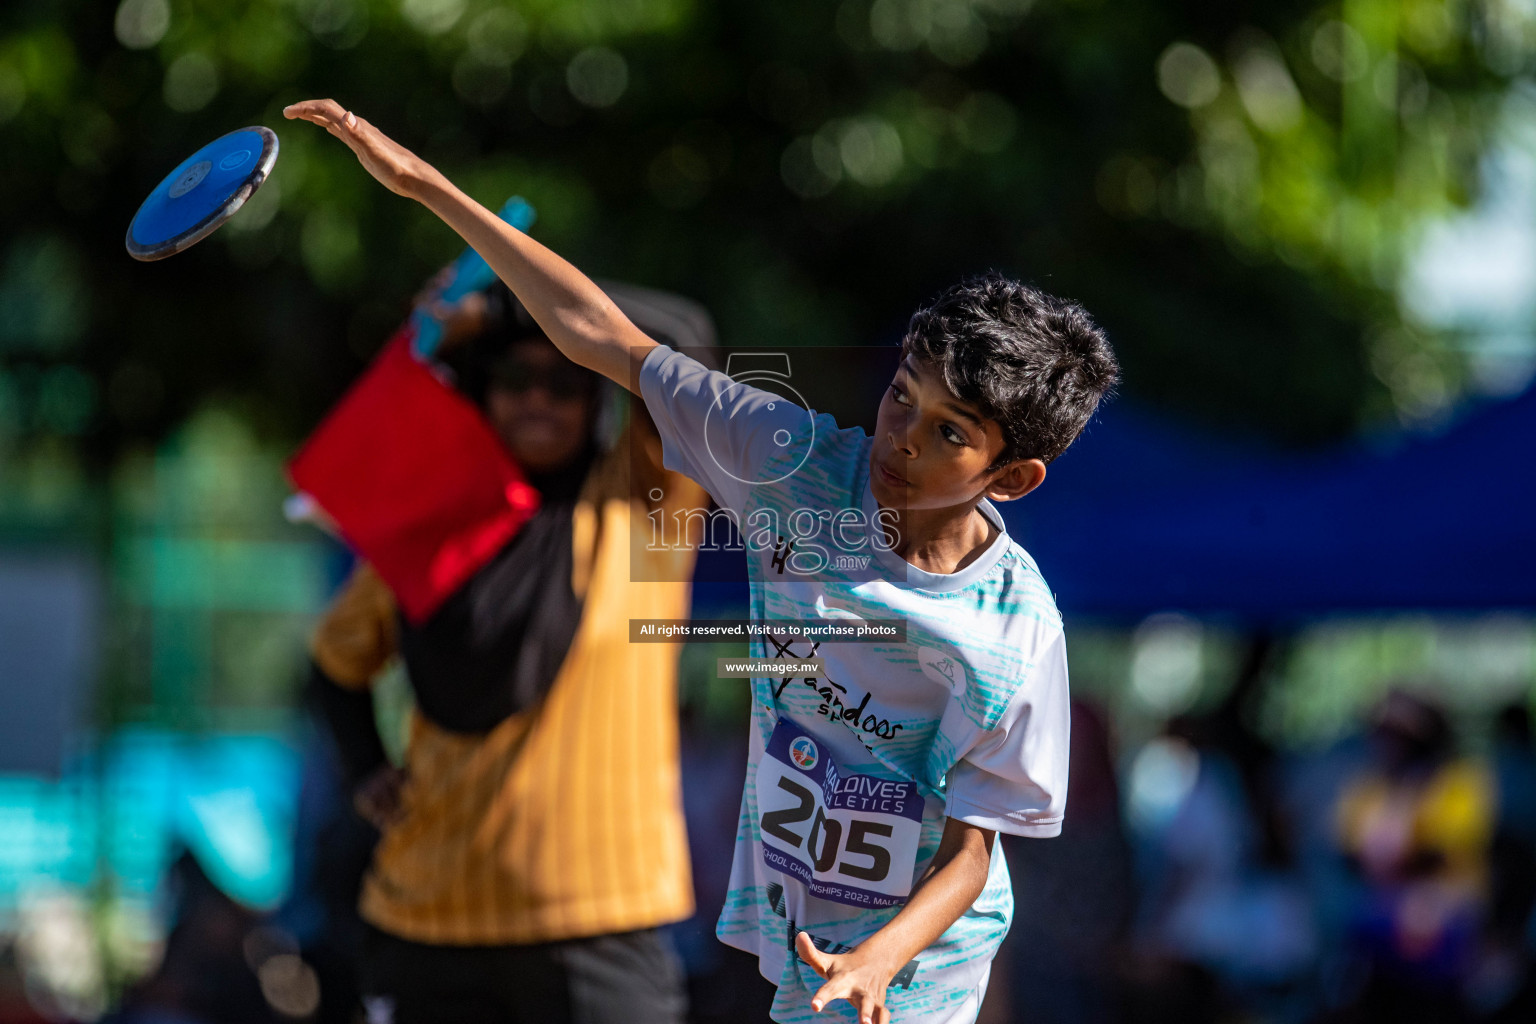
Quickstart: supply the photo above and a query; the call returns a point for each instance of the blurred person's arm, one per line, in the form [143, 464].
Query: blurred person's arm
[582, 321]
[460, 319]
[348, 717]
[353, 642]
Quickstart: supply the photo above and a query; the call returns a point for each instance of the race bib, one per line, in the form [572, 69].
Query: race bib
[849, 838]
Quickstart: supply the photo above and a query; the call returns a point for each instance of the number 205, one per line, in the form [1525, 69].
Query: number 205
[827, 833]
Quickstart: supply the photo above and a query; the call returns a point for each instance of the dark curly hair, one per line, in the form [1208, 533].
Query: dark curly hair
[1036, 364]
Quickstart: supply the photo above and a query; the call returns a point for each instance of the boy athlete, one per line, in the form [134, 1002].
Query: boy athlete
[877, 784]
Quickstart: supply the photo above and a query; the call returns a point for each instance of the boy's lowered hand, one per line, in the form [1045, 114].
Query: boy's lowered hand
[856, 977]
[947, 889]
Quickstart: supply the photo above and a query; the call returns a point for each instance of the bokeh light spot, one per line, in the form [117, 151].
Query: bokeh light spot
[289, 985]
[432, 17]
[497, 37]
[13, 93]
[1339, 51]
[1188, 75]
[1166, 662]
[339, 24]
[191, 82]
[1268, 93]
[141, 24]
[597, 76]
[870, 149]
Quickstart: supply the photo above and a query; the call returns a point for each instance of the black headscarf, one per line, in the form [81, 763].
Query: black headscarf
[494, 647]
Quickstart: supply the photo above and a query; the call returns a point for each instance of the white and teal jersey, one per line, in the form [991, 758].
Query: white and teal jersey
[853, 769]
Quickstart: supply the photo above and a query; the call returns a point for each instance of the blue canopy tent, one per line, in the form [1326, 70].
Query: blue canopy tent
[1142, 515]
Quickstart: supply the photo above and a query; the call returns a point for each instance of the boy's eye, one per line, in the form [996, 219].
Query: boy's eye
[899, 395]
[952, 435]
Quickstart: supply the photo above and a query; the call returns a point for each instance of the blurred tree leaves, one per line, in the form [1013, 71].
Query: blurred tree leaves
[1231, 187]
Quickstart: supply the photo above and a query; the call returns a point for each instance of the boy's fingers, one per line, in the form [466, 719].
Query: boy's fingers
[321, 112]
[867, 1006]
[871, 1008]
[820, 962]
[328, 114]
[328, 109]
[381, 157]
[824, 995]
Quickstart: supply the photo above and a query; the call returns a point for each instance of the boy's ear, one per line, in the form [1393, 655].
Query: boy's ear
[1016, 480]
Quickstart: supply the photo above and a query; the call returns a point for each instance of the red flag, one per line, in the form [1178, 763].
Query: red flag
[414, 478]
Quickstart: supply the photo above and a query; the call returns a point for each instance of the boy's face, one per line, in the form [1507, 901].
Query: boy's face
[932, 450]
[541, 405]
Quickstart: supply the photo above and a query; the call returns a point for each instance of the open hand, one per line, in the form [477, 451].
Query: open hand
[848, 977]
[461, 320]
[396, 167]
[379, 799]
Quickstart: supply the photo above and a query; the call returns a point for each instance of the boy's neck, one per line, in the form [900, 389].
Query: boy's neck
[942, 540]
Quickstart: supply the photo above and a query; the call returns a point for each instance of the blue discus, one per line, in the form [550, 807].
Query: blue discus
[202, 193]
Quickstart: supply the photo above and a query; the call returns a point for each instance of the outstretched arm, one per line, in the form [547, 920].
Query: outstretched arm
[581, 320]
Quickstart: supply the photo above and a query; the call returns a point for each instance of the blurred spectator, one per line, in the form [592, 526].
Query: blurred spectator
[1514, 767]
[533, 843]
[332, 849]
[1225, 922]
[1415, 826]
[204, 977]
[1504, 985]
[1072, 896]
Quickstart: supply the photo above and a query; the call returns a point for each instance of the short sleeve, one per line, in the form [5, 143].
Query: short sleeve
[715, 430]
[1013, 778]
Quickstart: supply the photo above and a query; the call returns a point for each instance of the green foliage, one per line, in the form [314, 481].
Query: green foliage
[1230, 187]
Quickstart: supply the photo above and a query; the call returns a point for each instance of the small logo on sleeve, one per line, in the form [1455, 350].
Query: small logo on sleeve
[942, 669]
